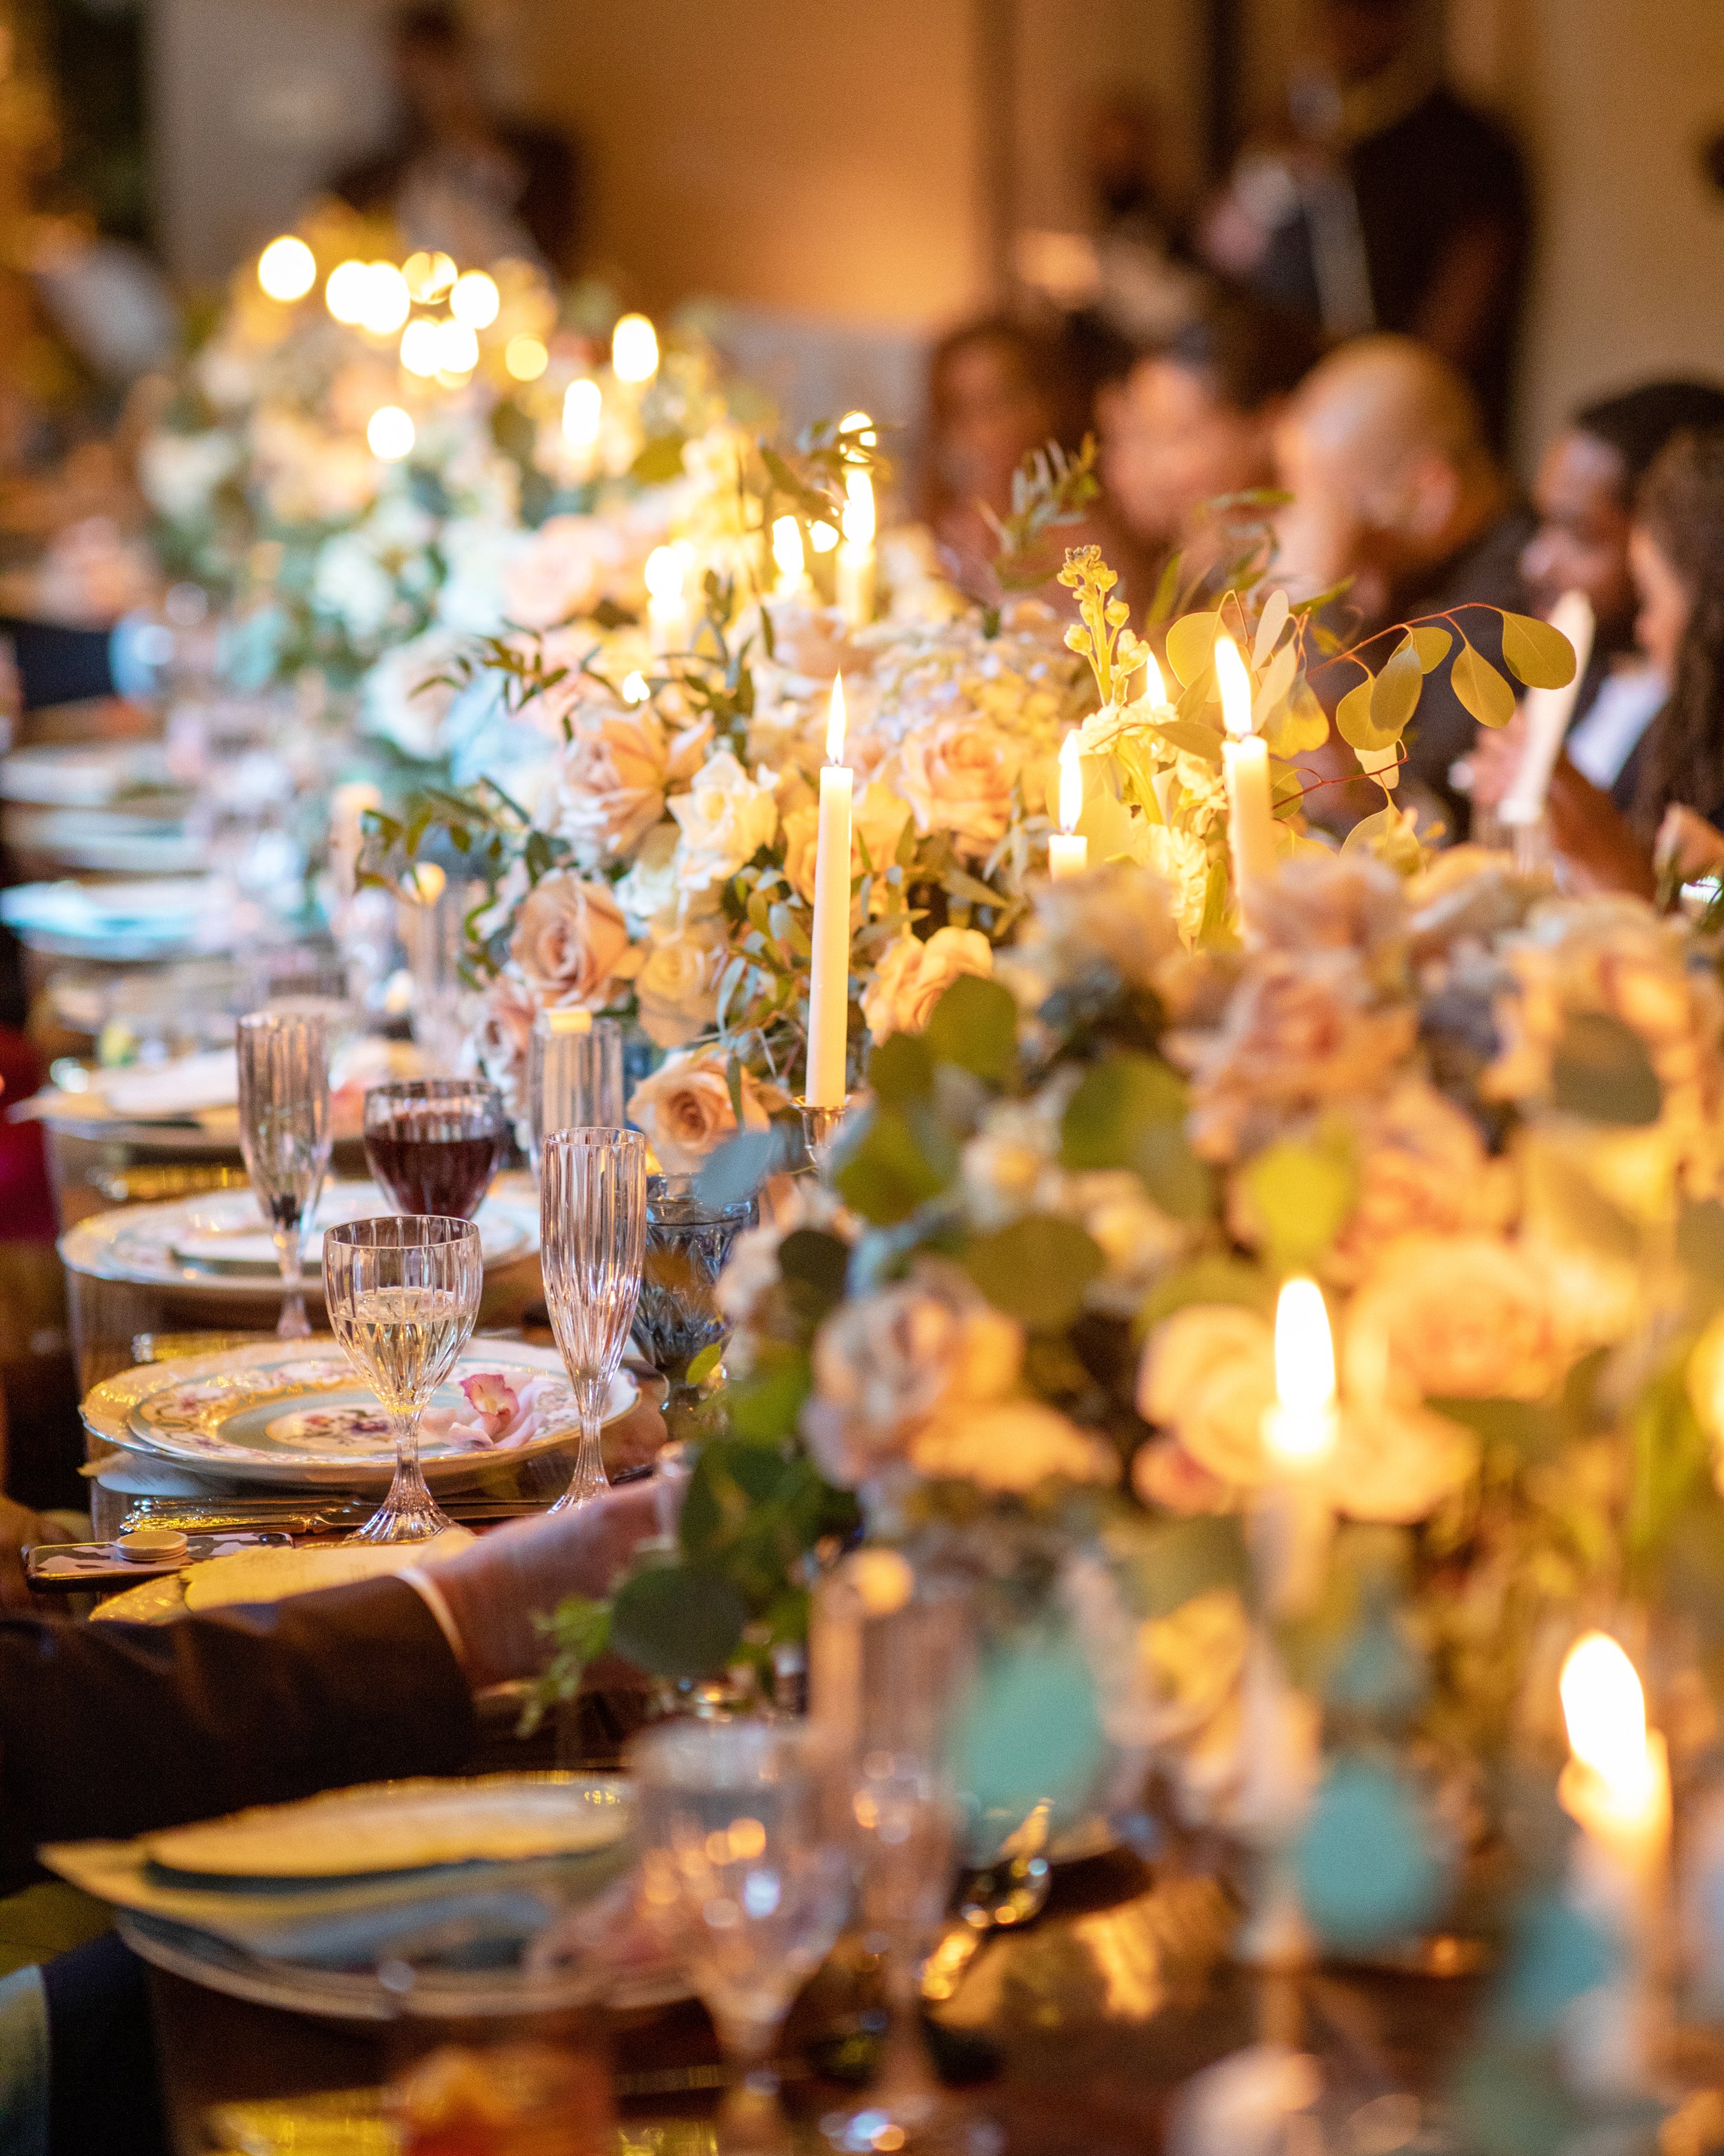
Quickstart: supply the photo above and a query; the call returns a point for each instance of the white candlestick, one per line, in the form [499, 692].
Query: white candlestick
[1245, 759]
[829, 970]
[1546, 714]
[855, 555]
[1294, 1521]
[1616, 1787]
[667, 610]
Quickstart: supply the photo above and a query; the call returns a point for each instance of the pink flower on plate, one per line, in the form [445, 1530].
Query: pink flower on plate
[493, 1400]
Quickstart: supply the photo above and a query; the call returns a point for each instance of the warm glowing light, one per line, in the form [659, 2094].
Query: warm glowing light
[525, 358]
[387, 301]
[1154, 687]
[1605, 1709]
[582, 408]
[1071, 783]
[666, 566]
[475, 300]
[861, 425]
[424, 881]
[824, 536]
[390, 434]
[836, 723]
[634, 349]
[635, 688]
[1235, 686]
[859, 510]
[428, 276]
[1301, 1427]
[287, 269]
[457, 348]
[787, 549]
[419, 346]
[347, 290]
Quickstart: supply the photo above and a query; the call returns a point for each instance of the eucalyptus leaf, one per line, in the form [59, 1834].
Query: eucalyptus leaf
[1536, 654]
[1194, 737]
[1355, 722]
[975, 1025]
[1036, 1269]
[1300, 1195]
[1191, 646]
[1299, 725]
[1394, 695]
[1129, 1112]
[732, 1175]
[1370, 1863]
[678, 1621]
[901, 1069]
[660, 461]
[1432, 644]
[892, 1163]
[1480, 690]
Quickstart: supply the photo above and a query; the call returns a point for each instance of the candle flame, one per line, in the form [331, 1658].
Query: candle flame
[1155, 689]
[666, 568]
[859, 518]
[1300, 1428]
[860, 424]
[835, 722]
[1235, 686]
[1605, 1709]
[786, 548]
[634, 349]
[636, 689]
[582, 408]
[1071, 783]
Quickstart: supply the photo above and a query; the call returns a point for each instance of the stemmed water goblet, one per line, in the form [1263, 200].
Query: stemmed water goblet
[593, 1234]
[434, 1144]
[402, 1295]
[285, 1134]
[738, 1865]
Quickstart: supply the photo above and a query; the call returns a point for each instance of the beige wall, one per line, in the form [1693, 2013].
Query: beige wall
[821, 158]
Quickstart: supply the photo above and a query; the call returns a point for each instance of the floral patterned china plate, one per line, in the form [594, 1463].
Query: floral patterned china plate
[293, 1411]
[217, 1244]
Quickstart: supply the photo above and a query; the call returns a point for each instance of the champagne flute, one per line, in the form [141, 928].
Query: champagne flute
[593, 1237]
[735, 1864]
[402, 1295]
[435, 1143]
[574, 1075]
[285, 1134]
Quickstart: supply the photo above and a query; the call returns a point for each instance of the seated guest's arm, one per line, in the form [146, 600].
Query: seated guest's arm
[109, 1730]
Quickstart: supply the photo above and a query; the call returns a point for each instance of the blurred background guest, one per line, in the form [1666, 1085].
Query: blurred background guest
[1584, 494]
[456, 176]
[1195, 422]
[1389, 202]
[1398, 493]
[995, 393]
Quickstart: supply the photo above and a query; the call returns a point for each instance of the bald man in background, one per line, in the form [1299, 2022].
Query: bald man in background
[1396, 491]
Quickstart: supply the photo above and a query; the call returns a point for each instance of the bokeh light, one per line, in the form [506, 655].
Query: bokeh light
[457, 348]
[634, 349]
[475, 300]
[582, 409]
[390, 435]
[525, 358]
[347, 291]
[418, 347]
[287, 269]
[387, 302]
[428, 276]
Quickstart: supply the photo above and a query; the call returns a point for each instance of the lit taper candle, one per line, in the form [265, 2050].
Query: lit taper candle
[1067, 851]
[830, 972]
[855, 554]
[1250, 811]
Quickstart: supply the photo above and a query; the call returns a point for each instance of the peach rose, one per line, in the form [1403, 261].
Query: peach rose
[958, 776]
[563, 571]
[913, 976]
[570, 937]
[611, 785]
[677, 983]
[685, 1112]
[1455, 1317]
[1423, 1170]
[1010, 1447]
[1208, 1377]
[887, 1364]
[878, 823]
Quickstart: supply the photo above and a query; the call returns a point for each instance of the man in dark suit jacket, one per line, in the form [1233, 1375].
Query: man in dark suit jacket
[111, 1730]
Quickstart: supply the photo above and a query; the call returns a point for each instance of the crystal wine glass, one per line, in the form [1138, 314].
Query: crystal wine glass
[891, 1658]
[285, 1133]
[435, 1143]
[402, 1295]
[735, 1864]
[592, 1235]
[574, 1075]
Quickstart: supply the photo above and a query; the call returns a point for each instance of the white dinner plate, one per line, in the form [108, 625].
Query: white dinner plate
[296, 1411]
[217, 1245]
[85, 774]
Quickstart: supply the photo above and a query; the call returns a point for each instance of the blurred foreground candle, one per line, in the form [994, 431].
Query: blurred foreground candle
[667, 610]
[1244, 755]
[1068, 853]
[634, 349]
[788, 558]
[1617, 1788]
[855, 553]
[830, 972]
[1295, 1519]
[1545, 716]
[582, 415]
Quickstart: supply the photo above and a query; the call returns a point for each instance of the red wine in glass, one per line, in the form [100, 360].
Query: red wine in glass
[434, 1144]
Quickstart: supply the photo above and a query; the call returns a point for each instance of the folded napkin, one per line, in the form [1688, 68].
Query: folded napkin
[180, 1088]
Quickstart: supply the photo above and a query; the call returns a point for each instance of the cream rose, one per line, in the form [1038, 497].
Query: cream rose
[726, 817]
[563, 570]
[1010, 1447]
[685, 1112]
[570, 937]
[1208, 1376]
[886, 1364]
[1454, 1316]
[677, 983]
[878, 824]
[1395, 1464]
[611, 784]
[958, 776]
[913, 976]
